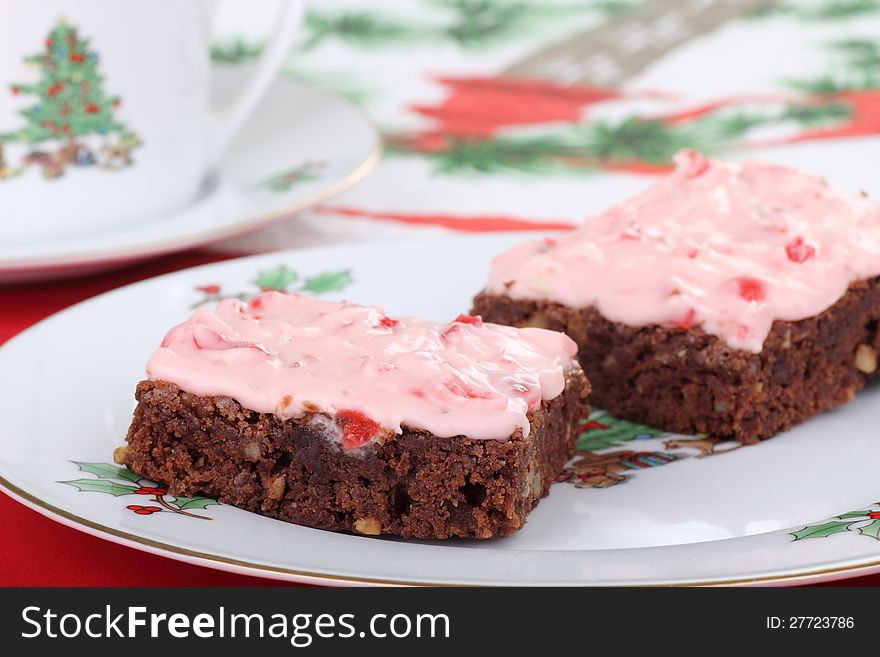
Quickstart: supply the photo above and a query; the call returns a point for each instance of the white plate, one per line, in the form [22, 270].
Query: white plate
[301, 146]
[755, 514]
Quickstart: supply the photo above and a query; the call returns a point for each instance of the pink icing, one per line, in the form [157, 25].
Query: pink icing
[286, 354]
[725, 246]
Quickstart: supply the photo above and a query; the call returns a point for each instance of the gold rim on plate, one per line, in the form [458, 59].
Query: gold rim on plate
[257, 570]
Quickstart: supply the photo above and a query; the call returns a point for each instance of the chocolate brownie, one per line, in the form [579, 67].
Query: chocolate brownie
[733, 299]
[338, 417]
[688, 381]
[413, 485]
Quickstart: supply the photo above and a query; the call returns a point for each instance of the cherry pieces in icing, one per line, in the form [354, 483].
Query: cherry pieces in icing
[294, 354]
[728, 247]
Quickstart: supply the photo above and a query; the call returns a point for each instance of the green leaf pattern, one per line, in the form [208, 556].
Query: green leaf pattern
[108, 482]
[276, 279]
[865, 522]
[194, 502]
[101, 486]
[823, 530]
[106, 471]
[853, 514]
[281, 279]
[603, 431]
[872, 530]
[331, 281]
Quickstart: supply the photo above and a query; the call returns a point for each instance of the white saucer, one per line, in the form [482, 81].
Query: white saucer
[301, 146]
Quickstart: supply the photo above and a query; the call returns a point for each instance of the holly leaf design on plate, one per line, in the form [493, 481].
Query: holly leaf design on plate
[184, 503]
[823, 530]
[101, 486]
[872, 530]
[276, 279]
[107, 471]
[330, 281]
[605, 431]
[853, 514]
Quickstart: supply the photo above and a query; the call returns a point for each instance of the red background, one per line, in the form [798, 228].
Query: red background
[35, 551]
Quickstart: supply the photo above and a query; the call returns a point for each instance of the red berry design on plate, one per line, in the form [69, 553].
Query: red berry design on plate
[874, 515]
[751, 289]
[475, 320]
[209, 289]
[143, 510]
[799, 251]
[118, 481]
[151, 490]
[92, 108]
[357, 428]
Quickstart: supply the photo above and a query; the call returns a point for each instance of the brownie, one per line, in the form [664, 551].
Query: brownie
[688, 381]
[412, 485]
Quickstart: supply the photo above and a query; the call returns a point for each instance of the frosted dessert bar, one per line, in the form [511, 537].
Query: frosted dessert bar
[336, 416]
[732, 299]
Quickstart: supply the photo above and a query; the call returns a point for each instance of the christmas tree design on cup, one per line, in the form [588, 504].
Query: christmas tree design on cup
[73, 121]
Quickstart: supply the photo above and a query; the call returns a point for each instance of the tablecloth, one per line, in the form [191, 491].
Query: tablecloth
[505, 115]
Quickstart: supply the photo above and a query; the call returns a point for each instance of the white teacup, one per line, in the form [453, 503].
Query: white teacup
[104, 116]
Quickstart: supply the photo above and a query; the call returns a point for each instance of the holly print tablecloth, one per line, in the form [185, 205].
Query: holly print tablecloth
[531, 114]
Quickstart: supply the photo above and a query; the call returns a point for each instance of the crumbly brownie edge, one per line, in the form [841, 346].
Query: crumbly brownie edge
[414, 485]
[688, 381]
